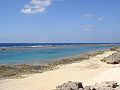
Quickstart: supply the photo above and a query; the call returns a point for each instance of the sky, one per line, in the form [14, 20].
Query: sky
[60, 21]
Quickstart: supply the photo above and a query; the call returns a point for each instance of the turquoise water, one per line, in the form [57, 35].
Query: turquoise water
[16, 55]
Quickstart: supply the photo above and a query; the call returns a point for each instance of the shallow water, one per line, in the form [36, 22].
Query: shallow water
[18, 55]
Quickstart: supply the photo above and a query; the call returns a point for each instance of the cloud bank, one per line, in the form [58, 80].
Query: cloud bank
[36, 6]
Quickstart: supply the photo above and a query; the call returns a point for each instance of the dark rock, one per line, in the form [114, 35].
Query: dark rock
[79, 85]
[3, 49]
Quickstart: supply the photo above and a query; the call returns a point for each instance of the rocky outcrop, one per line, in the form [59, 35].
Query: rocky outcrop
[13, 71]
[78, 86]
[70, 86]
[114, 58]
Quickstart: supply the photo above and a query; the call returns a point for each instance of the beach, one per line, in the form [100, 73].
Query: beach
[60, 45]
[89, 71]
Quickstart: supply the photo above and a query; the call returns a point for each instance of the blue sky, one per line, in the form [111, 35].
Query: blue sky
[89, 21]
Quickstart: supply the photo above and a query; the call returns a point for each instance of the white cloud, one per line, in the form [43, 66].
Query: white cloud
[36, 6]
[87, 27]
[101, 18]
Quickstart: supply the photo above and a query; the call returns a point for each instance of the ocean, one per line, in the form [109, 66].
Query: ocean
[37, 53]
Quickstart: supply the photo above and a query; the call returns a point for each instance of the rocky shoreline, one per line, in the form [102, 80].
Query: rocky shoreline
[112, 85]
[18, 71]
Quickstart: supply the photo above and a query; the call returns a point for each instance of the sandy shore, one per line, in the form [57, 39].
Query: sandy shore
[89, 71]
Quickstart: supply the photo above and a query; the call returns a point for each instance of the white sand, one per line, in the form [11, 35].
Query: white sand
[89, 72]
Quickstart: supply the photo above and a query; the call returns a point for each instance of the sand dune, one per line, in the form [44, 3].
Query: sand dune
[89, 71]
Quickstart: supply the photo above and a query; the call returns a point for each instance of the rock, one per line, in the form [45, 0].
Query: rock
[70, 86]
[3, 49]
[105, 86]
[112, 85]
[79, 85]
[114, 58]
[114, 48]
